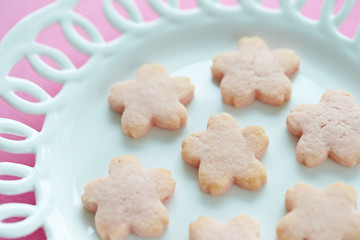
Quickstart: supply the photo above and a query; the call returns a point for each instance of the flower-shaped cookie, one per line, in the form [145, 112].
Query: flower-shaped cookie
[239, 228]
[226, 154]
[255, 72]
[330, 128]
[320, 215]
[152, 99]
[130, 199]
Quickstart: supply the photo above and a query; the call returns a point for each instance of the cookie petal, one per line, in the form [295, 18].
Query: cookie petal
[135, 123]
[192, 149]
[288, 60]
[184, 89]
[257, 139]
[252, 44]
[237, 90]
[275, 90]
[311, 150]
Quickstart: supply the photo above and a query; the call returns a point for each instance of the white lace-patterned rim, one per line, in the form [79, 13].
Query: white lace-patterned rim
[20, 43]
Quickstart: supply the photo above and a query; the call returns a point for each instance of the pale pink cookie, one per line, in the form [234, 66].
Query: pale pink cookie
[152, 99]
[320, 215]
[239, 228]
[130, 199]
[226, 154]
[255, 72]
[330, 128]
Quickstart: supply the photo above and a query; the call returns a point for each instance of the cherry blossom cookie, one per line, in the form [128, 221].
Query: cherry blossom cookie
[255, 72]
[320, 215]
[226, 154]
[130, 199]
[153, 99]
[330, 128]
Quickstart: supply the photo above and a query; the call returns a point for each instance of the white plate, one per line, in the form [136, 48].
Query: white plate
[81, 134]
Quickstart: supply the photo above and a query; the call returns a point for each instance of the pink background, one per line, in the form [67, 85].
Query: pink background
[12, 11]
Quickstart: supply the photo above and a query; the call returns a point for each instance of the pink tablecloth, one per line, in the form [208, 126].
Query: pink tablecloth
[12, 11]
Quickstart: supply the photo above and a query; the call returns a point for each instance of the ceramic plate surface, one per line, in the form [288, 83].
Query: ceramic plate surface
[82, 134]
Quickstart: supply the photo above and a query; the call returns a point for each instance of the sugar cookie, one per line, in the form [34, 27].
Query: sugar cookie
[130, 199]
[320, 215]
[226, 154]
[330, 128]
[152, 99]
[255, 72]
